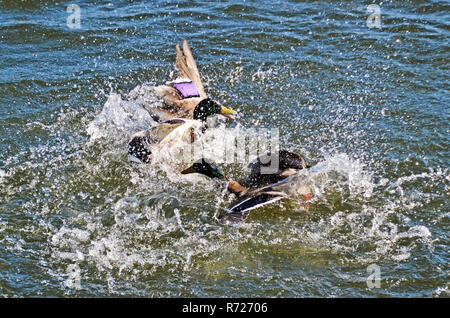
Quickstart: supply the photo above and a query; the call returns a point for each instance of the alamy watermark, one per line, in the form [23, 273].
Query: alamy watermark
[232, 146]
[374, 279]
[74, 20]
[73, 272]
[374, 19]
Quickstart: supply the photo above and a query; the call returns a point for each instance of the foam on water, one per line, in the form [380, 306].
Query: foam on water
[119, 117]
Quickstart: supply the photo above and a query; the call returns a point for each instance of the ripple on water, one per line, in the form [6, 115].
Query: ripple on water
[363, 105]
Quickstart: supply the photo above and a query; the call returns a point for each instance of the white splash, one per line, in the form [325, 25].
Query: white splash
[119, 117]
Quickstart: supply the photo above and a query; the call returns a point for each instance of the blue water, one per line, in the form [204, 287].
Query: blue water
[368, 105]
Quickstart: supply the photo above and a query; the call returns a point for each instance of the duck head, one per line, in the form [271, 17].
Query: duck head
[207, 107]
[205, 167]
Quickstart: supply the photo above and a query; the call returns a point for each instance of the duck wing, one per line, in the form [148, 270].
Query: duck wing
[140, 145]
[177, 103]
[241, 208]
[288, 187]
[288, 163]
[187, 68]
[161, 115]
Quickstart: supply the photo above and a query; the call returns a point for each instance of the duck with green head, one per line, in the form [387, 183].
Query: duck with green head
[258, 188]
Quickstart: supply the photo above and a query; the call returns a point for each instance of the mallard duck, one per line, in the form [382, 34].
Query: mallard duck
[288, 164]
[173, 132]
[258, 188]
[293, 186]
[182, 96]
[184, 100]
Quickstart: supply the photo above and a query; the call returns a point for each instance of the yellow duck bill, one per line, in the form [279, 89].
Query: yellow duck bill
[227, 112]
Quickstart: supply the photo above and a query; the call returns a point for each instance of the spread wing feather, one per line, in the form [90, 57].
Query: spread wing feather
[187, 67]
[241, 208]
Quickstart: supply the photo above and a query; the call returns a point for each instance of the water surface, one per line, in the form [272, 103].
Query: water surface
[369, 105]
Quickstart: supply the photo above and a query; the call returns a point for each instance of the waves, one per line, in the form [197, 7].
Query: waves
[366, 107]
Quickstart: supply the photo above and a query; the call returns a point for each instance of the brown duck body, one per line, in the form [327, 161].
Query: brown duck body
[289, 163]
[295, 185]
[260, 175]
[178, 111]
[168, 134]
[261, 187]
[175, 106]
